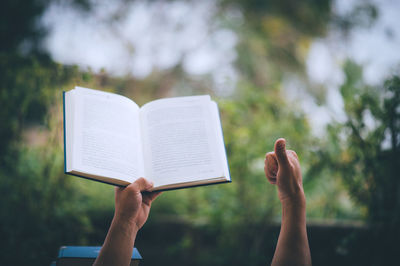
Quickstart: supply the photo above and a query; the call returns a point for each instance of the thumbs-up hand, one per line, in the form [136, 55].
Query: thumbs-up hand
[282, 168]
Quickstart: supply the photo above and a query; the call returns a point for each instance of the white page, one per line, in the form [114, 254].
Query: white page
[179, 140]
[107, 139]
[220, 139]
[69, 127]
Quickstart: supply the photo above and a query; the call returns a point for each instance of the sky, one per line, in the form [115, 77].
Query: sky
[376, 48]
[147, 38]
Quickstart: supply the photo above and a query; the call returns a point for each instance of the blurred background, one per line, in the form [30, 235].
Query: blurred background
[324, 74]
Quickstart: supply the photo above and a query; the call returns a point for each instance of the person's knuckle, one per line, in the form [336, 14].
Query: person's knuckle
[141, 180]
[132, 189]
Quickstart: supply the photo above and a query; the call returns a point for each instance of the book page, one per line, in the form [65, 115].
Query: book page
[107, 139]
[220, 139]
[179, 140]
[68, 128]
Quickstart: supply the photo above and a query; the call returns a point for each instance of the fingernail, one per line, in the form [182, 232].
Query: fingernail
[281, 144]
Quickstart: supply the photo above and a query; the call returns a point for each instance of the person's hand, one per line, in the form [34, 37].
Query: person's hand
[132, 203]
[282, 168]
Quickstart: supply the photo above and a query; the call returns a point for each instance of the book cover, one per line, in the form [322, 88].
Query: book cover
[86, 255]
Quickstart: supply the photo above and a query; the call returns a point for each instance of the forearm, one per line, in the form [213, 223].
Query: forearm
[292, 248]
[118, 245]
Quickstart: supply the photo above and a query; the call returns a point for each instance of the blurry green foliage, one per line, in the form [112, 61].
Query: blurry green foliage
[40, 208]
[309, 17]
[19, 25]
[363, 14]
[364, 152]
[275, 36]
[27, 90]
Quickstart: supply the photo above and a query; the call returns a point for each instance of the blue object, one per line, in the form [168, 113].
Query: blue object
[88, 252]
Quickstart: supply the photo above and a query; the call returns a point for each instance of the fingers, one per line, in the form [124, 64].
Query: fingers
[142, 184]
[154, 195]
[293, 153]
[280, 152]
[279, 159]
[271, 167]
[149, 197]
[119, 189]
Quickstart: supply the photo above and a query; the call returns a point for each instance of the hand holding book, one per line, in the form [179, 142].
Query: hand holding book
[132, 207]
[132, 203]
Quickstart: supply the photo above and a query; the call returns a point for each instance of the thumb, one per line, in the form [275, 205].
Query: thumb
[143, 184]
[280, 151]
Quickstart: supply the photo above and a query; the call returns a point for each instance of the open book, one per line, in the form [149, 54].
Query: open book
[173, 142]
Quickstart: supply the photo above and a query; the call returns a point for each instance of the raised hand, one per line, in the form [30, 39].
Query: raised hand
[132, 207]
[282, 168]
[132, 203]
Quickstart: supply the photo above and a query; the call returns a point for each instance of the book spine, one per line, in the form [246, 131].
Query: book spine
[94, 179]
[193, 186]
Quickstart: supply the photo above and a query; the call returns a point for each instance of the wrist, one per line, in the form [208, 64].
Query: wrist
[294, 198]
[128, 223]
[294, 204]
[294, 212]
